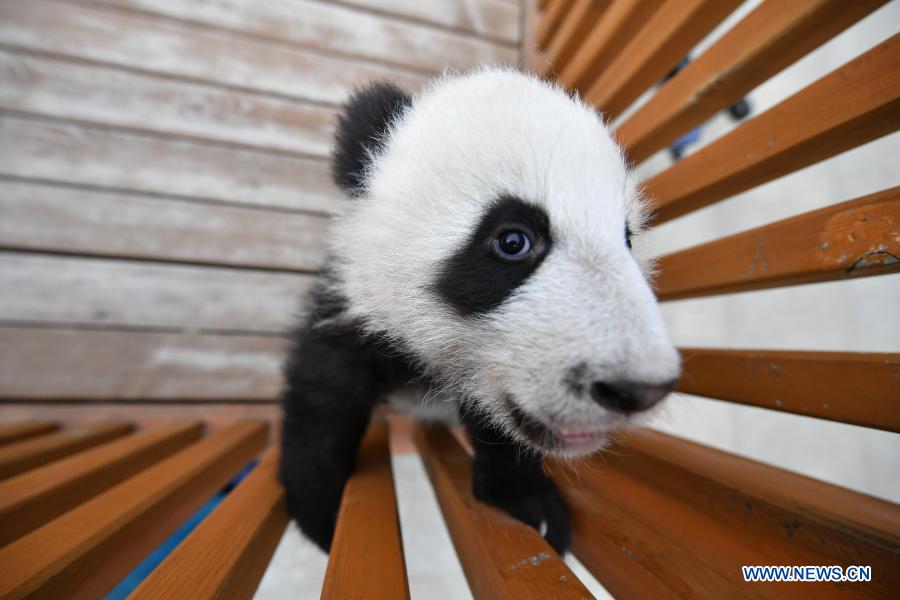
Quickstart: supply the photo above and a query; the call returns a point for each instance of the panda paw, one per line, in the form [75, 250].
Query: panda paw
[536, 503]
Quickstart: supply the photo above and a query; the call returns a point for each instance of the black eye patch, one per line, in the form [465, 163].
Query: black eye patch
[476, 279]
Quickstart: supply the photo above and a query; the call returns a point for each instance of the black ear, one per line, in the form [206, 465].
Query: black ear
[361, 130]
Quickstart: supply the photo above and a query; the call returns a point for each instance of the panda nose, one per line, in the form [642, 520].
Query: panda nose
[629, 396]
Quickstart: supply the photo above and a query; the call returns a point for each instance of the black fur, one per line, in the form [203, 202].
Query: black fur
[361, 130]
[475, 280]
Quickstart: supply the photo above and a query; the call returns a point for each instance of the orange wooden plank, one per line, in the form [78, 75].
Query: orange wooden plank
[28, 454]
[227, 554]
[720, 511]
[42, 494]
[855, 104]
[605, 41]
[366, 559]
[501, 557]
[850, 387]
[578, 21]
[551, 21]
[86, 551]
[660, 44]
[15, 432]
[856, 238]
[770, 38]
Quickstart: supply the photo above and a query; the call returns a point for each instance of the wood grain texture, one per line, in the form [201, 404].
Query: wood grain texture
[335, 29]
[32, 453]
[129, 365]
[227, 554]
[52, 218]
[667, 36]
[501, 556]
[605, 41]
[40, 495]
[491, 19]
[551, 21]
[773, 36]
[86, 291]
[171, 50]
[22, 430]
[857, 238]
[576, 25]
[85, 552]
[368, 520]
[63, 152]
[719, 511]
[855, 104]
[849, 387]
[111, 96]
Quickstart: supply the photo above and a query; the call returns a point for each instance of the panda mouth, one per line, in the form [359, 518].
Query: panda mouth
[554, 438]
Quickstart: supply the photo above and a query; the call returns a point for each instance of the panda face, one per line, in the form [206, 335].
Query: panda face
[489, 238]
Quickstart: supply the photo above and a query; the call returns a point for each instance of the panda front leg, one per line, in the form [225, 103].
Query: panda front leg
[330, 392]
[509, 476]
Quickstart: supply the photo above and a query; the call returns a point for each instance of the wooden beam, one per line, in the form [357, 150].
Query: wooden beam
[849, 387]
[501, 557]
[42, 494]
[228, 552]
[551, 21]
[86, 551]
[855, 104]
[857, 238]
[21, 430]
[368, 521]
[578, 22]
[660, 44]
[29, 454]
[773, 36]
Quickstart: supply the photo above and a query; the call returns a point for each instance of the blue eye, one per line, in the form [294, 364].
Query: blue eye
[512, 244]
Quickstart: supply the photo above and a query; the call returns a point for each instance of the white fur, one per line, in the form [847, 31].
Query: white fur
[466, 140]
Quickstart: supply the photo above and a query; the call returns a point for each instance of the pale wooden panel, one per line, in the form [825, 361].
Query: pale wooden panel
[336, 29]
[66, 153]
[59, 219]
[66, 290]
[491, 19]
[112, 365]
[168, 48]
[46, 86]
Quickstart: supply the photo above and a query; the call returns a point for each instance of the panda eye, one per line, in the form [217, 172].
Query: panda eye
[512, 244]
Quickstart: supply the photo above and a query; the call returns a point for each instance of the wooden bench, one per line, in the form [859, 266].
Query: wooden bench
[84, 501]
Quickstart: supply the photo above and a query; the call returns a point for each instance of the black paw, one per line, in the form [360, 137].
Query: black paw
[534, 501]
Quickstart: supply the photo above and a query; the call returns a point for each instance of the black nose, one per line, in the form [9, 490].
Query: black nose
[629, 396]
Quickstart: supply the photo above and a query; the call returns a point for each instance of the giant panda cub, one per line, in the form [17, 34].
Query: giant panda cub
[486, 261]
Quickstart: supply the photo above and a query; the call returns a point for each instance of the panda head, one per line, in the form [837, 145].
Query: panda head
[490, 239]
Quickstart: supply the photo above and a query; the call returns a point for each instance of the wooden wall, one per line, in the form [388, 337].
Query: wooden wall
[164, 184]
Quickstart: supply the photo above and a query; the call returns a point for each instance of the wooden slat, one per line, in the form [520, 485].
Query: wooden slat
[52, 218]
[665, 38]
[501, 557]
[336, 29]
[42, 494]
[770, 38]
[854, 104]
[719, 511]
[62, 152]
[850, 387]
[576, 25]
[138, 294]
[15, 432]
[29, 454]
[605, 41]
[110, 96]
[83, 553]
[551, 21]
[490, 19]
[227, 554]
[170, 50]
[132, 365]
[857, 238]
[368, 521]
